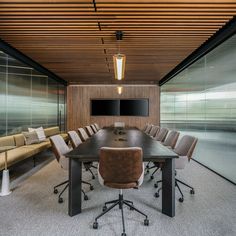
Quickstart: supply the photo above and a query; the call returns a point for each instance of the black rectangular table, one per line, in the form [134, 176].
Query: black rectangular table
[152, 151]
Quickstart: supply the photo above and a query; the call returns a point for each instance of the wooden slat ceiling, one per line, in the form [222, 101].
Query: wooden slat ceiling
[76, 39]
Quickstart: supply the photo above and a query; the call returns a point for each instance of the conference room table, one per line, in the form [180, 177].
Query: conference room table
[129, 137]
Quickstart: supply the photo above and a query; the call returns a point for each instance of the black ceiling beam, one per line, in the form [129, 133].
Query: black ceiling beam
[219, 37]
[8, 49]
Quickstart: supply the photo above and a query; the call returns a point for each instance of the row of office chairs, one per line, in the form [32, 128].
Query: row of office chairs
[184, 148]
[60, 148]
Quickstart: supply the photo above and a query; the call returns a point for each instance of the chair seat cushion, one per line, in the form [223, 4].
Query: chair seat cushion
[121, 185]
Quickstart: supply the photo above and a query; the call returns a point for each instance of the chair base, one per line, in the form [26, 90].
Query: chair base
[120, 202]
[66, 183]
[181, 199]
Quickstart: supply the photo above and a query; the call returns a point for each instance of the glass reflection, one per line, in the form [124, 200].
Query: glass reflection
[201, 101]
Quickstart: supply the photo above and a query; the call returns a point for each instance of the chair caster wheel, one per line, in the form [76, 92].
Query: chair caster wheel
[55, 191]
[123, 234]
[104, 208]
[156, 195]
[151, 177]
[95, 225]
[156, 185]
[86, 198]
[60, 200]
[192, 191]
[91, 187]
[93, 177]
[181, 199]
[146, 222]
[147, 171]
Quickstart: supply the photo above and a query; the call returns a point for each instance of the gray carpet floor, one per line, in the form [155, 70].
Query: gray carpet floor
[32, 209]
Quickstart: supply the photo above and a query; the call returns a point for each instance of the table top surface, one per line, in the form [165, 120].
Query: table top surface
[6, 148]
[110, 137]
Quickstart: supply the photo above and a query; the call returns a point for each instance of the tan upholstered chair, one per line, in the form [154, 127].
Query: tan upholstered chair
[184, 149]
[83, 135]
[148, 128]
[93, 127]
[171, 139]
[154, 130]
[97, 126]
[161, 135]
[76, 141]
[60, 148]
[145, 128]
[120, 168]
[89, 130]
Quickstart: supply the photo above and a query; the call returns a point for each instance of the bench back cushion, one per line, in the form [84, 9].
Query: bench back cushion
[7, 141]
[19, 140]
[51, 131]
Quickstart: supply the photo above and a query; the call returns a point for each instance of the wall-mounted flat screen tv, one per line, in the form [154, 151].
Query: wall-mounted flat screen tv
[134, 107]
[120, 107]
[102, 107]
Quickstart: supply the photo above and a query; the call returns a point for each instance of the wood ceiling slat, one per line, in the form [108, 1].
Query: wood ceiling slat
[75, 39]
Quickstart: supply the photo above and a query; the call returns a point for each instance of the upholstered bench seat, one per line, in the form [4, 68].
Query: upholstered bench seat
[23, 151]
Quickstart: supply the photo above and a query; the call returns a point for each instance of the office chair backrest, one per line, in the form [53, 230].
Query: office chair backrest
[83, 134]
[97, 126]
[171, 139]
[161, 135]
[89, 130]
[93, 127]
[74, 138]
[60, 148]
[121, 168]
[145, 128]
[154, 130]
[148, 128]
[119, 124]
[186, 146]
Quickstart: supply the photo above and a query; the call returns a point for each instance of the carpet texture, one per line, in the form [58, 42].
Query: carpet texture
[32, 209]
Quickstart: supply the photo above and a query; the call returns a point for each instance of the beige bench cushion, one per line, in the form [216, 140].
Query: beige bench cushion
[16, 155]
[39, 147]
[51, 131]
[19, 140]
[7, 141]
[64, 136]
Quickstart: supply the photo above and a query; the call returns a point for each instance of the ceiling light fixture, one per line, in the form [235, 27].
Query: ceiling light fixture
[119, 90]
[119, 59]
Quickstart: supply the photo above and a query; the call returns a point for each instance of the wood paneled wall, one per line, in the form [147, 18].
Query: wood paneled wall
[78, 104]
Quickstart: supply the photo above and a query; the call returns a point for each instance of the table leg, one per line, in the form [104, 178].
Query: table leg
[168, 188]
[75, 173]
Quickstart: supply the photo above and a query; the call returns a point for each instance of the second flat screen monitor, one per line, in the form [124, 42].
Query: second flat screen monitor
[134, 107]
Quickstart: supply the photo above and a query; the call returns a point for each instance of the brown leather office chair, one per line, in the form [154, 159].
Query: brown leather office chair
[184, 149]
[60, 148]
[120, 168]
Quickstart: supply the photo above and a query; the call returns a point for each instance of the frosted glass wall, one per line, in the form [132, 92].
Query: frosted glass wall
[201, 100]
[28, 98]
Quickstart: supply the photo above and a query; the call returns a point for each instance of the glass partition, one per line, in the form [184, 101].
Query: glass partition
[201, 100]
[28, 98]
